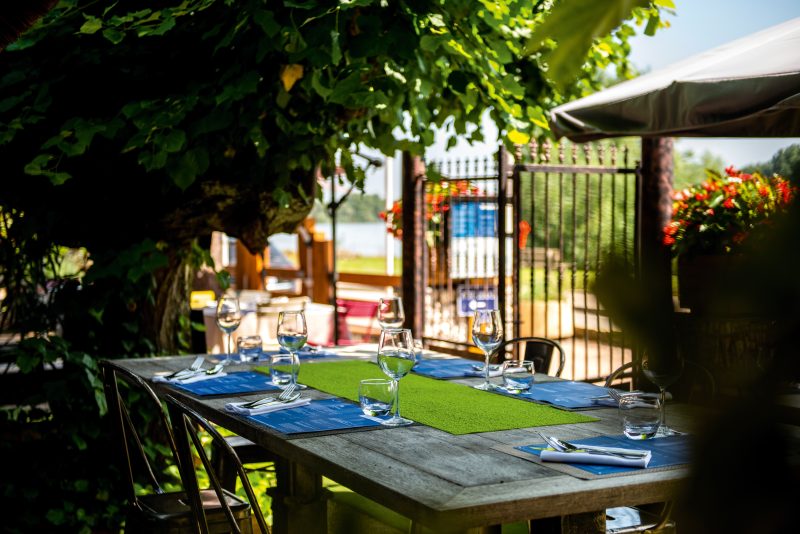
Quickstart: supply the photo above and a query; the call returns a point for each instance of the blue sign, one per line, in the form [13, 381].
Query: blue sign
[473, 217]
[475, 298]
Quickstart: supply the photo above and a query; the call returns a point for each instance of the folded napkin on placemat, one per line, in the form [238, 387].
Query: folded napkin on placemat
[665, 453]
[549, 455]
[318, 416]
[453, 368]
[569, 395]
[198, 377]
[228, 384]
[236, 407]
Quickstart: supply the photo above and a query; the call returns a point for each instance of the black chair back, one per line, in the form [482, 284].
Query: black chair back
[539, 350]
[186, 423]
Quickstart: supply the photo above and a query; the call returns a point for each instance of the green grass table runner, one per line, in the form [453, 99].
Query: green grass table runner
[454, 408]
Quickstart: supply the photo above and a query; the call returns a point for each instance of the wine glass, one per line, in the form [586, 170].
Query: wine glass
[390, 312]
[292, 335]
[662, 369]
[396, 358]
[229, 316]
[487, 333]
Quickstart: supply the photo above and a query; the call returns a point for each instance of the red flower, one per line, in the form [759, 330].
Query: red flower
[701, 196]
[710, 186]
[745, 177]
[729, 203]
[763, 191]
[672, 227]
[668, 240]
[710, 211]
[731, 171]
[731, 190]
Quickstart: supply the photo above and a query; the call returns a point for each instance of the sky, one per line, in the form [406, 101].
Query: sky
[697, 26]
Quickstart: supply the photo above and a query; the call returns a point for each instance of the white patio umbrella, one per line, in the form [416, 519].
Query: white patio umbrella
[747, 88]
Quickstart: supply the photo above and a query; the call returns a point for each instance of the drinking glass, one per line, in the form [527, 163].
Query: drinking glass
[390, 312]
[229, 316]
[375, 396]
[641, 415]
[249, 348]
[518, 376]
[396, 358]
[487, 333]
[662, 369]
[283, 370]
[292, 335]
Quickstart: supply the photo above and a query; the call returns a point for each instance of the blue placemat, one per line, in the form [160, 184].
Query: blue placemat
[567, 394]
[231, 384]
[446, 368]
[318, 416]
[666, 452]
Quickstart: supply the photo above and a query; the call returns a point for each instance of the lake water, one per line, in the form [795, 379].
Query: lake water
[362, 239]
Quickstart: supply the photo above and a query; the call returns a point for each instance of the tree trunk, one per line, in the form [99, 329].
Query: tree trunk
[162, 318]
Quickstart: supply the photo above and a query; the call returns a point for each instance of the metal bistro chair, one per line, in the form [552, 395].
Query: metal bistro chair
[539, 350]
[161, 511]
[700, 386]
[186, 423]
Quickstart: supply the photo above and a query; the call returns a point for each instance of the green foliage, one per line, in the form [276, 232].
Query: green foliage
[690, 167]
[786, 162]
[363, 207]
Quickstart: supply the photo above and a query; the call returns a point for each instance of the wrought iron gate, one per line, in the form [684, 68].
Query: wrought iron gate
[558, 215]
[571, 209]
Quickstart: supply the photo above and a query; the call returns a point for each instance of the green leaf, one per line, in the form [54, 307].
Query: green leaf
[174, 140]
[266, 21]
[316, 84]
[56, 516]
[91, 26]
[573, 25]
[185, 170]
[669, 4]
[113, 35]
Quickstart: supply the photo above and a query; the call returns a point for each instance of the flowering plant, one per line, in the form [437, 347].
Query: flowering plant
[717, 215]
[437, 202]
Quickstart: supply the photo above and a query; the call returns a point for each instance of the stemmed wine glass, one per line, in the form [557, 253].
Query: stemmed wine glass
[390, 312]
[229, 316]
[487, 333]
[292, 335]
[663, 370]
[396, 358]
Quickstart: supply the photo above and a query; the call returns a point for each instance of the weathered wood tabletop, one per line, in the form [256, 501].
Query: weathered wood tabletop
[442, 481]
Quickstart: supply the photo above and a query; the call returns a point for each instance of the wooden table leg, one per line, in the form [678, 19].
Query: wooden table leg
[298, 502]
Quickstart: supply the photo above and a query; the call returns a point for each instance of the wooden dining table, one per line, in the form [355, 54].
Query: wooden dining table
[445, 482]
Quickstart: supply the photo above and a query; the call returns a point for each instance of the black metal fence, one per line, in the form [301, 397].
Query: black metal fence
[559, 211]
[463, 255]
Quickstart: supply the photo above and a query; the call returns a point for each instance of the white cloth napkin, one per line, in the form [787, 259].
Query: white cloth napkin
[190, 380]
[236, 407]
[549, 455]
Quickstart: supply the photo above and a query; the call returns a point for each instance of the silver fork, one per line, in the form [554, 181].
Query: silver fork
[196, 365]
[287, 395]
[569, 447]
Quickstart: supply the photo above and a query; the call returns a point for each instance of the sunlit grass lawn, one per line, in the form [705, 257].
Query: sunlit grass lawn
[367, 265]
